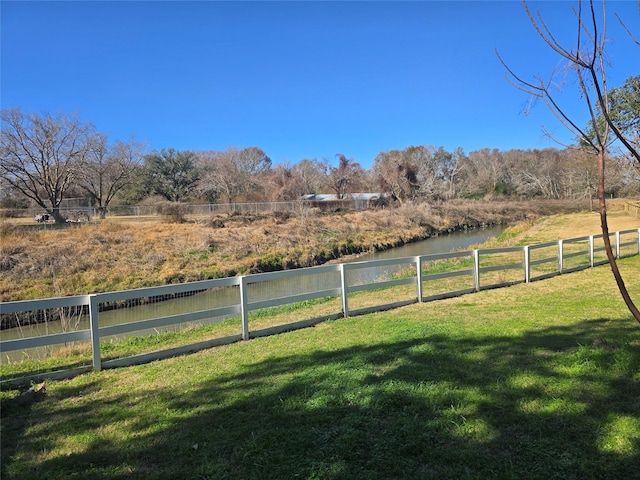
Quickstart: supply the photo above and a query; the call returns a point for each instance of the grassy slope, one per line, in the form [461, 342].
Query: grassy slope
[505, 383]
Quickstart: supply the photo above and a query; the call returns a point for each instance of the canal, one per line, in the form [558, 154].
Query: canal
[230, 296]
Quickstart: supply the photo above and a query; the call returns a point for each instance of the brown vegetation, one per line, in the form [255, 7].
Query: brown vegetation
[112, 255]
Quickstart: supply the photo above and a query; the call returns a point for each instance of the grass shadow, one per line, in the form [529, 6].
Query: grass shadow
[426, 406]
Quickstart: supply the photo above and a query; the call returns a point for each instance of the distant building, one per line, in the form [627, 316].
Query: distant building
[357, 201]
[326, 197]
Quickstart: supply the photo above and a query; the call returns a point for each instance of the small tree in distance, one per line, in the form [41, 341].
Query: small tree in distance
[109, 169]
[172, 174]
[587, 59]
[346, 177]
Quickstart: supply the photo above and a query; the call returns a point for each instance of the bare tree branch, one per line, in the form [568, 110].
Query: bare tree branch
[589, 66]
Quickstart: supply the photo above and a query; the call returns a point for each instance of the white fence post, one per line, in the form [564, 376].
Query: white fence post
[419, 277]
[93, 301]
[94, 325]
[244, 308]
[476, 270]
[345, 294]
[560, 254]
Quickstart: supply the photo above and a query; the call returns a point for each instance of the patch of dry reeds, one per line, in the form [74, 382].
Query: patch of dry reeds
[114, 255]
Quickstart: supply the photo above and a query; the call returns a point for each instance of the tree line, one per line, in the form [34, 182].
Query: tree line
[46, 158]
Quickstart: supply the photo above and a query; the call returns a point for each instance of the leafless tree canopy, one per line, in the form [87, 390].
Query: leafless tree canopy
[43, 155]
[109, 169]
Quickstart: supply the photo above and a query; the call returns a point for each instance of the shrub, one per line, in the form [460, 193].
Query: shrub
[172, 212]
[267, 263]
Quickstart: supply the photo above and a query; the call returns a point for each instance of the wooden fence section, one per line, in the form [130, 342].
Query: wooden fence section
[326, 292]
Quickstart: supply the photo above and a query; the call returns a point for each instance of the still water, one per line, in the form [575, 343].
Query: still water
[230, 296]
[442, 244]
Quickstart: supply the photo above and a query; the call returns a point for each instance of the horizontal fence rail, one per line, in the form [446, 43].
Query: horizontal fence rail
[239, 300]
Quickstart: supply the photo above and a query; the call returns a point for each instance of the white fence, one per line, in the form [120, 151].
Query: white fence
[326, 292]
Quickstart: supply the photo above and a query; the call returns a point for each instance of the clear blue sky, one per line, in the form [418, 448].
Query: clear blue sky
[297, 79]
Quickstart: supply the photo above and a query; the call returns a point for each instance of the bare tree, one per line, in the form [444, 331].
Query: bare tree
[453, 170]
[219, 180]
[314, 174]
[396, 174]
[253, 166]
[43, 155]
[345, 178]
[109, 169]
[285, 183]
[536, 172]
[588, 61]
[428, 175]
[485, 173]
[234, 174]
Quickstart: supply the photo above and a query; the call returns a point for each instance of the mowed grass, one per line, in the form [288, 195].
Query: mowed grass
[531, 381]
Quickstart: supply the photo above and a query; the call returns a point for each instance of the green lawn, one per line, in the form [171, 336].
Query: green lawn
[504, 383]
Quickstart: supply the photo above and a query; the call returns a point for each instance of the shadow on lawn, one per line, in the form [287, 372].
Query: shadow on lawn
[529, 407]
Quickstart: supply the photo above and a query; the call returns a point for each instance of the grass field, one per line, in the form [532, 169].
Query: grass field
[534, 381]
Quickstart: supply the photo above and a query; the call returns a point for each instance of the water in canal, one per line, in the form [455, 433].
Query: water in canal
[230, 296]
[441, 244]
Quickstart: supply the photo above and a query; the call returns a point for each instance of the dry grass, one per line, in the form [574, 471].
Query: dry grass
[582, 224]
[112, 255]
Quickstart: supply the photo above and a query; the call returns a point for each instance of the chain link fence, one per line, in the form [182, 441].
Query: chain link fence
[159, 211]
[633, 209]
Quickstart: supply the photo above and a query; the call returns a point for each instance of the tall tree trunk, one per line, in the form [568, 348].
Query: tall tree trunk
[607, 241]
[57, 215]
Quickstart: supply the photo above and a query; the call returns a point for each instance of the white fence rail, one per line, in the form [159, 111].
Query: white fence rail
[235, 300]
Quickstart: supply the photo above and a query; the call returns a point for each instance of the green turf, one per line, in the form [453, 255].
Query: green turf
[534, 381]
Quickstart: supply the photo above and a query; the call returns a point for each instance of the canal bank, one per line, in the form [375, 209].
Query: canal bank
[113, 255]
[175, 305]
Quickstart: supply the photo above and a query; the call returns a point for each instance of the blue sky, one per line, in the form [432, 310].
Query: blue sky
[297, 79]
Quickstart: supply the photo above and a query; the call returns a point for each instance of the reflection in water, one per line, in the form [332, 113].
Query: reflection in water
[441, 244]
